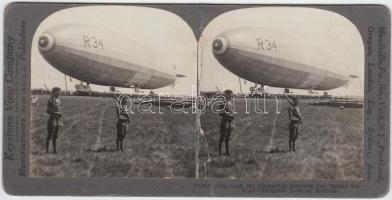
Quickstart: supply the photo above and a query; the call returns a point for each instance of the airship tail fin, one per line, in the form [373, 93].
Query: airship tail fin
[352, 78]
[177, 75]
[346, 85]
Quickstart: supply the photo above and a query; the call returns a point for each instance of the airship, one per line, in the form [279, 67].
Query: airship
[269, 57]
[99, 56]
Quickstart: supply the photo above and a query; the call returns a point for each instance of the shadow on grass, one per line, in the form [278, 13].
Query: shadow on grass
[273, 151]
[101, 150]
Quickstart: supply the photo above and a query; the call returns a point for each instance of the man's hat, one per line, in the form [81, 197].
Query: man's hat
[56, 89]
[228, 92]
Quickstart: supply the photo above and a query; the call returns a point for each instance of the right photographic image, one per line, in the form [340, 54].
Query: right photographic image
[284, 95]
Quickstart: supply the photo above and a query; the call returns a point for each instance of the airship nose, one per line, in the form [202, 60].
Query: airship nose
[46, 42]
[219, 45]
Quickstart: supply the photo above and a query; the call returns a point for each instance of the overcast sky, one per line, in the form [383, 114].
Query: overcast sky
[170, 36]
[340, 46]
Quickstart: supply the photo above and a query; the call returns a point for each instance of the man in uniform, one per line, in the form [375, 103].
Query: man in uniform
[227, 123]
[295, 122]
[54, 121]
[123, 120]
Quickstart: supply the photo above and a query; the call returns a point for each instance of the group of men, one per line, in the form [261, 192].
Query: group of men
[54, 123]
[123, 119]
[227, 121]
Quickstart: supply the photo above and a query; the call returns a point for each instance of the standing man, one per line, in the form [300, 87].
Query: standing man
[123, 120]
[295, 121]
[54, 121]
[227, 123]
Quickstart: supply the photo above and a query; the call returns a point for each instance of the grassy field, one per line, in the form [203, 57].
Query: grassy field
[163, 145]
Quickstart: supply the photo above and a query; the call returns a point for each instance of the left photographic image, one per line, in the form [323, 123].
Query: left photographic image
[111, 93]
